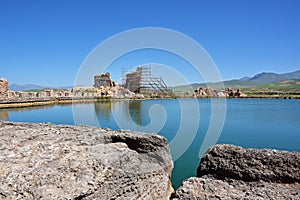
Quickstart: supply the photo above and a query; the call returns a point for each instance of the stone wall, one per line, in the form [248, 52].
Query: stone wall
[102, 80]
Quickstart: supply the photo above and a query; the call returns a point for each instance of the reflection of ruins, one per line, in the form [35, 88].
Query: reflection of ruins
[103, 109]
[141, 81]
[4, 115]
[135, 111]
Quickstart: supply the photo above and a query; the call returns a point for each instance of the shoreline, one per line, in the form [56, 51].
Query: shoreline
[30, 103]
[33, 103]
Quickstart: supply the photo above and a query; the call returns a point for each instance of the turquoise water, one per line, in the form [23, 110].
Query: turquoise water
[258, 123]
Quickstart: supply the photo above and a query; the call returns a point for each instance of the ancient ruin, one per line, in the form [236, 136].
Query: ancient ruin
[3, 86]
[141, 81]
[139, 84]
[103, 80]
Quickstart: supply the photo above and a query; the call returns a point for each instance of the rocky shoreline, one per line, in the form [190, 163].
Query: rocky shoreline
[45, 161]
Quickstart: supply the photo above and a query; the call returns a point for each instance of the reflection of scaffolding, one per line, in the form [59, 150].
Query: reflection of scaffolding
[141, 81]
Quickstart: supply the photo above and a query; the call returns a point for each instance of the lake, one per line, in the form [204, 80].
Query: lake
[257, 123]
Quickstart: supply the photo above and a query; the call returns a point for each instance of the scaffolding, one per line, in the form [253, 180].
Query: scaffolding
[141, 81]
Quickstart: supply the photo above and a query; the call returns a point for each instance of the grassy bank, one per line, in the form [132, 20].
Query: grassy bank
[273, 96]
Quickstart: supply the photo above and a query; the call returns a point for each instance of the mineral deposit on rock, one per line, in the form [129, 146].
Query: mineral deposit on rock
[44, 161]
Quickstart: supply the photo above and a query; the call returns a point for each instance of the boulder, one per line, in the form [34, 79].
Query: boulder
[3, 86]
[44, 161]
[213, 189]
[229, 161]
[232, 172]
[210, 92]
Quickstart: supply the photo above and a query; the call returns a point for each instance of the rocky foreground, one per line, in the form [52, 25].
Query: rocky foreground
[232, 172]
[44, 161]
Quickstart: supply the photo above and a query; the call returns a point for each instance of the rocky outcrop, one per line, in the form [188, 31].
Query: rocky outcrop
[3, 86]
[213, 189]
[230, 93]
[210, 92]
[232, 172]
[44, 161]
[229, 161]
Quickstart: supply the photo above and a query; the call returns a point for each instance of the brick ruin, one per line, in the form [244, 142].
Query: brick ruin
[103, 80]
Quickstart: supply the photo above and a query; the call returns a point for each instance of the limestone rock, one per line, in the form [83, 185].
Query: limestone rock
[44, 161]
[210, 92]
[229, 161]
[3, 86]
[232, 172]
[211, 189]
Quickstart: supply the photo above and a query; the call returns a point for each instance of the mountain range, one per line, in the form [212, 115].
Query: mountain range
[25, 87]
[264, 77]
[258, 79]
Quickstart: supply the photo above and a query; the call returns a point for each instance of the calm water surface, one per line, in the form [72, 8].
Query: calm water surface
[258, 123]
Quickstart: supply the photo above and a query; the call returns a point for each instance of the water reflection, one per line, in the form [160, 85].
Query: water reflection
[138, 115]
[4, 115]
[127, 109]
[135, 112]
[103, 109]
[19, 109]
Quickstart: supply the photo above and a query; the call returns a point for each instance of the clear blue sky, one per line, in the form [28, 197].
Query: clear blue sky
[45, 42]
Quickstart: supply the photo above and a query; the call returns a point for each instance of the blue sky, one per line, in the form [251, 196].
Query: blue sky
[45, 42]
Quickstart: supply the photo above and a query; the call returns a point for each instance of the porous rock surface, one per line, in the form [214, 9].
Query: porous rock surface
[232, 172]
[210, 188]
[229, 161]
[44, 161]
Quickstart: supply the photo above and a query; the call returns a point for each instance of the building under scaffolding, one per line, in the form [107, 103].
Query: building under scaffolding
[141, 81]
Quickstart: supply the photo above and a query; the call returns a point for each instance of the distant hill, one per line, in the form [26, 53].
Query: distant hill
[261, 78]
[17, 87]
[264, 77]
[281, 86]
[26, 87]
[246, 78]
